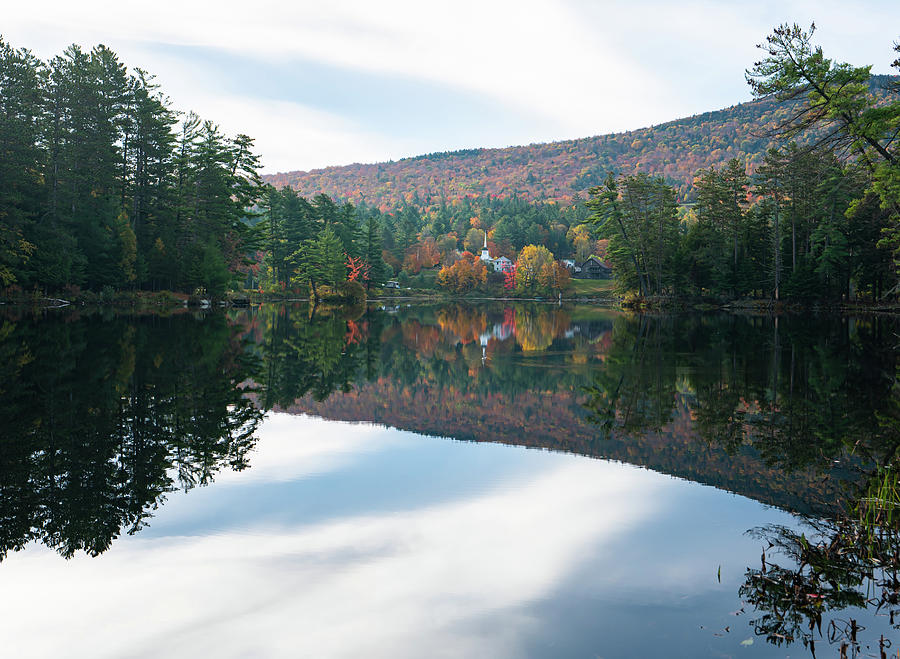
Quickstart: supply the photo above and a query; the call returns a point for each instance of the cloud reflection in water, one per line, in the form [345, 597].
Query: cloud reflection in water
[453, 577]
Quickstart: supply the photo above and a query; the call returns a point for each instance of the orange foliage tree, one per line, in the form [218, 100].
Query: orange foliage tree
[553, 278]
[509, 279]
[423, 254]
[467, 274]
[357, 269]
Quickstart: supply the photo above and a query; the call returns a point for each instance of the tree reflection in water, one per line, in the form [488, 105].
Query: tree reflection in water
[803, 394]
[829, 566]
[101, 417]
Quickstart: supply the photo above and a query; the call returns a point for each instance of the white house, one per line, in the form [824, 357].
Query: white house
[503, 264]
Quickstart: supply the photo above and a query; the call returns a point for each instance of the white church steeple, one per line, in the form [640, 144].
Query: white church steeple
[485, 253]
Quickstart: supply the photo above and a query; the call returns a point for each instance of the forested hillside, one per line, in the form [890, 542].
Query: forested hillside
[104, 187]
[793, 196]
[560, 170]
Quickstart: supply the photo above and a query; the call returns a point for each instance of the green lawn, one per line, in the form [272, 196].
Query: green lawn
[593, 286]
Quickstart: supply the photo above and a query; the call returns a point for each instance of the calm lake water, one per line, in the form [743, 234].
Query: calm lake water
[447, 480]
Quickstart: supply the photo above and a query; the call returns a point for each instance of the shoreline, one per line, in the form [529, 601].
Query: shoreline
[167, 301]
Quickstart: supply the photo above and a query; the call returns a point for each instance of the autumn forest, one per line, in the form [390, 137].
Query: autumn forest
[791, 196]
[590, 397]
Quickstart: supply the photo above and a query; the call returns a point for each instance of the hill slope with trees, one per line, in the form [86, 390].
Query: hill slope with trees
[564, 170]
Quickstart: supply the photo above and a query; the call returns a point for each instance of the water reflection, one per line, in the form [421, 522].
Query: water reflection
[826, 581]
[782, 410]
[833, 568]
[103, 416]
[312, 352]
[800, 412]
[800, 392]
[112, 413]
[398, 551]
[802, 399]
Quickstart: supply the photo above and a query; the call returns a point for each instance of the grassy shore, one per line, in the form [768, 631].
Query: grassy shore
[592, 288]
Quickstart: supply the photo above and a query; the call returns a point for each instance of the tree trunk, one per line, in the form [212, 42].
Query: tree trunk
[777, 250]
[793, 245]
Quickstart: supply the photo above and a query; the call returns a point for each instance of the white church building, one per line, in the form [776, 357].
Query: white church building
[500, 264]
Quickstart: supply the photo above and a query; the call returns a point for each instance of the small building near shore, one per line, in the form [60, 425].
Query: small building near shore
[500, 264]
[593, 268]
[503, 264]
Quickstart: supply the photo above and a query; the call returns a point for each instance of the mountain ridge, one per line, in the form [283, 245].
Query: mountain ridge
[561, 170]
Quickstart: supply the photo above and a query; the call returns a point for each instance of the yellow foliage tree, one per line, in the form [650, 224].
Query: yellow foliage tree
[528, 267]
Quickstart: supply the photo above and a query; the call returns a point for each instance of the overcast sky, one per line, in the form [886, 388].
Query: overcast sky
[332, 82]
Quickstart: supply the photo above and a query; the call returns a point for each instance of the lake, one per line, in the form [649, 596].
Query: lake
[445, 480]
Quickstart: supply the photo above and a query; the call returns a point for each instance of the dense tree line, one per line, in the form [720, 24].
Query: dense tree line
[102, 184]
[313, 243]
[808, 218]
[817, 219]
[309, 243]
[416, 236]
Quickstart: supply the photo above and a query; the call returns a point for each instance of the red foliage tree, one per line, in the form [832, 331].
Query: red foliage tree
[357, 269]
[509, 279]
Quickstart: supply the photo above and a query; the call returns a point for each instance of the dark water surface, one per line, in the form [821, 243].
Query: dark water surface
[282, 482]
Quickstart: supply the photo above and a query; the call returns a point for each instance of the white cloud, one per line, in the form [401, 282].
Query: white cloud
[576, 68]
[290, 447]
[403, 584]
[534, 57]
[290, 136]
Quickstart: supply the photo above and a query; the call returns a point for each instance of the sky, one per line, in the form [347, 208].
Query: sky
[330, 83]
